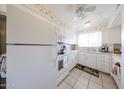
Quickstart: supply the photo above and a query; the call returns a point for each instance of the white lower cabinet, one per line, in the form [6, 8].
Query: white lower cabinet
[88, 59]
[62, 76]
[99, 61]
[82, 59]
[70, 60]
[104, 62]
[91, 60]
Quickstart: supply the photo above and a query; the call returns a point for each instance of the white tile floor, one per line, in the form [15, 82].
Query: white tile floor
[78, 79]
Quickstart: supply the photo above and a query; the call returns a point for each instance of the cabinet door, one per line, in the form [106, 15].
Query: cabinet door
[72, 37]
[66, 39]
[58, 35]
[108, 64]
[100, 62]
[82, 59]
[91, 60]
[104, 63]
[69, 58]
[100, 66]
[73, 60]
[76, 58]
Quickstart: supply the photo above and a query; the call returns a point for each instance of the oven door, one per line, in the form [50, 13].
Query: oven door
[60, 63]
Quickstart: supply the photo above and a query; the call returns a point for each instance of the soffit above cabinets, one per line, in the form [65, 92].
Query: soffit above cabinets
[97, 14]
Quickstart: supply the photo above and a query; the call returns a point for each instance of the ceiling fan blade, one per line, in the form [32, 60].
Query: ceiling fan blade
[90, 9]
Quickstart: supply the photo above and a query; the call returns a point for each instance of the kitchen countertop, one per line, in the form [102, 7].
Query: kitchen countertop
[118, 56]
[66, 54]
[97, 52]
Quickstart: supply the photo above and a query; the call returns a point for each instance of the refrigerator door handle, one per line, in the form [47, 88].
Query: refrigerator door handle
[23, 44]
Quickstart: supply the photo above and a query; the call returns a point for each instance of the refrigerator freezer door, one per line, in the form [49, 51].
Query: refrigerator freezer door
[31, 67]
[25, 26]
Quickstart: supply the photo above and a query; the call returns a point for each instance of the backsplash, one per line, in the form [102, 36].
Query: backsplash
[111, 48]
[88, 48]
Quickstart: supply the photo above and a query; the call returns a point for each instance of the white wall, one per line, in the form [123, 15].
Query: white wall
[3, 8]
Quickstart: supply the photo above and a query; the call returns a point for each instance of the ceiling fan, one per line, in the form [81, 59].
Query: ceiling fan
[80, 10]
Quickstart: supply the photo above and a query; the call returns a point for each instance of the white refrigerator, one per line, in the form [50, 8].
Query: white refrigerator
[31, 50]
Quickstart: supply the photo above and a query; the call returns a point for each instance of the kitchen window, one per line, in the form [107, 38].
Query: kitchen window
[93, 39]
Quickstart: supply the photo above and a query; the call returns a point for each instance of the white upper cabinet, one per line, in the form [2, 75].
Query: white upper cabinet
[73, 37]
[60, 34]
[66, 36]
[114, 35]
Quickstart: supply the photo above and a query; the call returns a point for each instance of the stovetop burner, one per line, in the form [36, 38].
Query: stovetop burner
[60, 53]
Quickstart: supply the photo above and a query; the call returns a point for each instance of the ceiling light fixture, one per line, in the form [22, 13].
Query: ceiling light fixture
[87, 24]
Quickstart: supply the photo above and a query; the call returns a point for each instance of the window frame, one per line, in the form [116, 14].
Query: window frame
[89, 45]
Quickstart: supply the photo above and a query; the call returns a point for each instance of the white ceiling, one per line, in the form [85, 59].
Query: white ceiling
[98, 18]
[117, 21]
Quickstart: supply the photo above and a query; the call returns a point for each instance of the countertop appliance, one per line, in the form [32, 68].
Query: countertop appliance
[73, 47]
[61, 50]
[31, 50]
[104, 48]
[117, 48]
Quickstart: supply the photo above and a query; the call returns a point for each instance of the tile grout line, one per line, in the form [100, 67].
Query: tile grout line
[88, 82]
[102, 81]
[76, 80]
[67, 83]
[62, 81]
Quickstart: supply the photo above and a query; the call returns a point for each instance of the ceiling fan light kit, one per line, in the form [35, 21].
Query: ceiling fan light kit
[87, 24]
